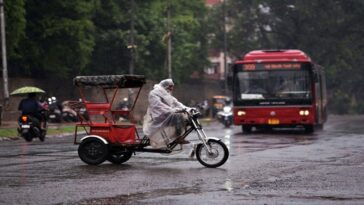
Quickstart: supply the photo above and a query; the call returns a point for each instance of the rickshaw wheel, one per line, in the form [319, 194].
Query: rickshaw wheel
[218, 156]
[93, 151]
[119, 158]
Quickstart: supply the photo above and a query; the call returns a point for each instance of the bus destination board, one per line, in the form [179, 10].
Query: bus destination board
[271, 66]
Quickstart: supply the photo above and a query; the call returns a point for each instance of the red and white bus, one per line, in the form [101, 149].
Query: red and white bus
[278, 88]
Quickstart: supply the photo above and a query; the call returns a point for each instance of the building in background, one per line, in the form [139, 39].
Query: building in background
[216, 70]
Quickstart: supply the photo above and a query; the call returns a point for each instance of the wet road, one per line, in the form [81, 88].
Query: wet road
[282, 167]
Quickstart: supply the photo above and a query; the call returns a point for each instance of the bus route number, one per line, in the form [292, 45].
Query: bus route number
[249, 66]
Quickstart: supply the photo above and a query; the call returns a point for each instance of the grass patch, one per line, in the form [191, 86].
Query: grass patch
[61, 130]
[8, 132]
[12, 132]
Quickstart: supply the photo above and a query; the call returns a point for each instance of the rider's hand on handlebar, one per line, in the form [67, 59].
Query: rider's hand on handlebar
[179, 110]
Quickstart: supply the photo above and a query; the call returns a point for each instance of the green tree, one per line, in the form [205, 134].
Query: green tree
[329, 31]
[59, 38]
[110, 55]
[245, 27]
[15, 26]
[112, 21]
[189, 52]
[65, 38]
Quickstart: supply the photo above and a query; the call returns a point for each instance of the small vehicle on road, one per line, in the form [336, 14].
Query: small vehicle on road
[108, 139]
[218, 103]
[29, 128]
[225, 116]
[29, 125]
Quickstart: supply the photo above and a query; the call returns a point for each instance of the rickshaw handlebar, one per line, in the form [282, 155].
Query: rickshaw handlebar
[190, 111]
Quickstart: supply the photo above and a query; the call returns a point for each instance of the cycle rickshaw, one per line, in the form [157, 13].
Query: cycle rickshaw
[108, 139]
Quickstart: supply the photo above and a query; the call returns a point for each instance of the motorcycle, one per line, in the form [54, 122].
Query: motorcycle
[203, 108]
[123, 106]
[55, 110]
[68, 114]
[225, 116]
[29, 128]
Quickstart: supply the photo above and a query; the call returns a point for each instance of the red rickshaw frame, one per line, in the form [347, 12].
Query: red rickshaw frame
[125, 133]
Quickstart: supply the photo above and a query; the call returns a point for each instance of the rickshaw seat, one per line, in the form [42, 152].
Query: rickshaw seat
[125, 126]
[100, 124]
[102, 109]
[121, 112]
[119, 134]
[124, 133]
[97, 108]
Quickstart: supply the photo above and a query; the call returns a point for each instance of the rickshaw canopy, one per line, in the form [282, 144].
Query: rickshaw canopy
[110, 81]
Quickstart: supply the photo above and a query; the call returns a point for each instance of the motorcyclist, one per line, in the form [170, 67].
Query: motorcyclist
[162, 124]
[32, 107]
[228, 102]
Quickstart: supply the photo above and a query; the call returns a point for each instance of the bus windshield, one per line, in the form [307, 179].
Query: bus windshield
[281, 85]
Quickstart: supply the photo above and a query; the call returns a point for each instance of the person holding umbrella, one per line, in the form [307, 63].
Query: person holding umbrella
[31, 106]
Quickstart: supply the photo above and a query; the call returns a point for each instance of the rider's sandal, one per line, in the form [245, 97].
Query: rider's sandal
[182, 141]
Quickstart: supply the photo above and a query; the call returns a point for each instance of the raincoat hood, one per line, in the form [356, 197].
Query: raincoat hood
[166, 83]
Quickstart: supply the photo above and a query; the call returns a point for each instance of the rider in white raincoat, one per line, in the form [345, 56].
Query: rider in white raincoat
[162, 124]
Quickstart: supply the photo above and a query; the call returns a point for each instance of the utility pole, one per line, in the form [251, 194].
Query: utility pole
[225, 50]
[132, 45]
[169, 36]
[3, 52]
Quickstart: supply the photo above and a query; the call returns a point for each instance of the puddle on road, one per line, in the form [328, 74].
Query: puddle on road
[138, 198]
[329, 198]
[260, 141]
[228, 185]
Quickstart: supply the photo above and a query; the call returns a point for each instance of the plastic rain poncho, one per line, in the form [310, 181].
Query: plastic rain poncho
[162, 124]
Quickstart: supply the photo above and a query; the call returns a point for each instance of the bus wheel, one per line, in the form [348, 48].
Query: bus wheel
[309, 129]
[267, 128]
[246, 128]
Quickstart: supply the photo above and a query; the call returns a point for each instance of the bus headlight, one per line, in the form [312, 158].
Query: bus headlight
[241, 113]
[304, 112]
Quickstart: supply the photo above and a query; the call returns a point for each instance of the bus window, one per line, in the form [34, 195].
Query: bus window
[293, 84]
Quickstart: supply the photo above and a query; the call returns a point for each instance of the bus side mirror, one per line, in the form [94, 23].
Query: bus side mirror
[230, 82]
[230, 76]
[316, 77]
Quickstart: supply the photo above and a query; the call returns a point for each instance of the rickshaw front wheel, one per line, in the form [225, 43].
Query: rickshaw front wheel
[119, 158]
[93, 151]
[217, 157]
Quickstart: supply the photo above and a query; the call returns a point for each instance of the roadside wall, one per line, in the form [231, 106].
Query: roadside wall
[189, 93]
